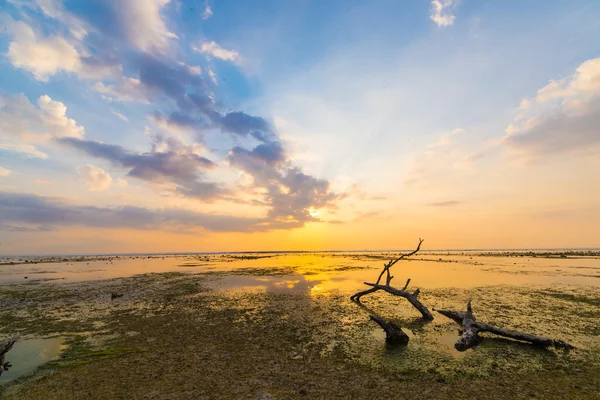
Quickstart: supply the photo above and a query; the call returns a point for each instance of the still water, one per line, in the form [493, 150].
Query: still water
[321, 271]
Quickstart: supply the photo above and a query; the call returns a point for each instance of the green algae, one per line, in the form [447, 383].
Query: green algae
[190, 338]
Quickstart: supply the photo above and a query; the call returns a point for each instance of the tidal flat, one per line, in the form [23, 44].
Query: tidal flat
[256, 325]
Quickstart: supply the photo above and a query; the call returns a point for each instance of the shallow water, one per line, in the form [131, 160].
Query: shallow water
[310, 291]
[27, 355]
[324, 272]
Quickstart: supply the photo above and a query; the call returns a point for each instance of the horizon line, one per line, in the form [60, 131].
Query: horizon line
[169, 253]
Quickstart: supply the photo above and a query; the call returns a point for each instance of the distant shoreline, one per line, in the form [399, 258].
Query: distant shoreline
[542, 252]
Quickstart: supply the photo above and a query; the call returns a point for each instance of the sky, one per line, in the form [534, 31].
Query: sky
[218, 125]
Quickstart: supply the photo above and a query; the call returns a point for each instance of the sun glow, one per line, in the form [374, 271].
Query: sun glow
[314, 213]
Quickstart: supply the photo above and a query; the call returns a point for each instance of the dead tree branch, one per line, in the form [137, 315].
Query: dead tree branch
[4, 348]
[393, 333]
[471, 329]
[411, 297]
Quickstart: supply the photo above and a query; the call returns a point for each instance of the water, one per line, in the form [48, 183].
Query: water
[27, 355]
[323, 272]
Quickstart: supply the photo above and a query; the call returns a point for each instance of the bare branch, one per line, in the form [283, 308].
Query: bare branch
[407, 282]
[4, 348]
[471, 328]
[411, 297]
[393, 333]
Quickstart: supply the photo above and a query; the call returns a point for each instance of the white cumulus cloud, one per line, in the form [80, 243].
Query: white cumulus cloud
[563, 117]
[96, 179]
[441, 12]
[21, 119]
[42, 56]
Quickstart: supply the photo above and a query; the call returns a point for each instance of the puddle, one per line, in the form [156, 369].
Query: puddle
[27, 355]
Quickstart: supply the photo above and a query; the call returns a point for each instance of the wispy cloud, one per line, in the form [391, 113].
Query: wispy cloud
[34, 212]
[168, 162]
[442, 12]
[24, 149]
[121, 116]
[448, 203]
[207, 13]
[5, 171]
[215, 50]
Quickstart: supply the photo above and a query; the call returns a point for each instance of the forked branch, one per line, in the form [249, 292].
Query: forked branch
[411, 297]
[471, 328]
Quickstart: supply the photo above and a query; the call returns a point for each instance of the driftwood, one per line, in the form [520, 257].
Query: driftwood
[411, 297]
[471, 328]
[4, 348]
[393, 333]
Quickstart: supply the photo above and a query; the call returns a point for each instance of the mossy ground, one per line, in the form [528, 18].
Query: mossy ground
[172, 337]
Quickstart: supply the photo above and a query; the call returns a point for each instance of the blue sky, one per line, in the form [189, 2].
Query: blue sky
[308, 121]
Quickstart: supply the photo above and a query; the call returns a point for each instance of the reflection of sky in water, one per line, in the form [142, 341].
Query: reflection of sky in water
[327, 272]
[27, 355]
[266, 283]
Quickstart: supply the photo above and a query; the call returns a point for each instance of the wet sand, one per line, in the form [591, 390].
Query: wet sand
[238, 325]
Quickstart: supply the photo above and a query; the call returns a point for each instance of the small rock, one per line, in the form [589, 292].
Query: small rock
[264, 396]
[153, 395]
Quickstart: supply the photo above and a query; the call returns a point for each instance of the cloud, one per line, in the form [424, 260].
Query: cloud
[21, 119]
[125, 90]
[441, 12]
[290, 194]
[212, 76]
[441, 165]
[96, 179]
[213, 49]
[445, 203]
[564, 117]
[41, 56]
[137, 22]
[108, 32]
[122, 182]
[121, 116]
[34, 212]
[192, 69]
[169, 162]
[24, 149]
[45, 56]
[5, 172]
[207, 13]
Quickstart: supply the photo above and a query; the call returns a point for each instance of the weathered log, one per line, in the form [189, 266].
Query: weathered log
[411, 297]
[471, 328]
[4, 348]
[393, 333]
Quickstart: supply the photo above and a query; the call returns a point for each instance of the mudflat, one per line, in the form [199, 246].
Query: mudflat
[228, 326]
